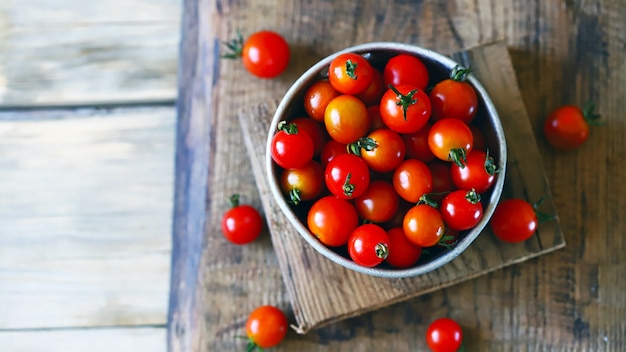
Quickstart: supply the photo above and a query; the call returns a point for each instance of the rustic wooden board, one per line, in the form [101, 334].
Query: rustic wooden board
[318, 300]
[562, 52]
[85, 214]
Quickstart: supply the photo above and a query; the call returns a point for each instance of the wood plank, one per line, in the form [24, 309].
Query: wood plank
[80, 340]
[85, 209]
[95, 53]
[564, 52]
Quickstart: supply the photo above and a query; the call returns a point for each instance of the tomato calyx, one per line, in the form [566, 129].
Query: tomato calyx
[458, 157]
[288, 128]
[590, 115]
[366, 143]
[460, 74]
[541, 216]
[235, 46]
[405, 101]
[234, 200]
[426, 199]
[382, 251]
[295, 196]
[490, 165]
[348, 188]
[351, 69]
[472, 196]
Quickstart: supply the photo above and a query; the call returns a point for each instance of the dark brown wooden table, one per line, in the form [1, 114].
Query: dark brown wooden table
[563, 52]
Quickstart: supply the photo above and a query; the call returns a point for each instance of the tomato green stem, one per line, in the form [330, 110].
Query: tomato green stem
[541, 216]
[426, 199]
[590, 116]
[459, 73]
[289, 128]
[490, 165]
[363, 143]
[295, 196]
[472, 196]
[404, 100]
[235, 46]
[234, 200]
[382, 251]
[348, 188]
[458, 157]
[351, 69]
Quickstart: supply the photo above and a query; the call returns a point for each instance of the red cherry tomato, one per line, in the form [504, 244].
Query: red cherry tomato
[451, 140]
[405, 108]
[346, 119]
[423, 225]
[402, 252]
[330, 150]
[315, 130]
[317, 97]
[368, 245]
[302, 184]
[291, 148]
[241, 224]
[417, 144]
[347, 176]
[265, 54]
[379, 203]
[332, 220]
[479, 172]
[567, 127]
[373, 93]
[514, 220]
[350, 73]
[454, 97]
[266, 327]
[461, 209]
[412, 179]
[444, 335]
[406, 69]
[383, 150]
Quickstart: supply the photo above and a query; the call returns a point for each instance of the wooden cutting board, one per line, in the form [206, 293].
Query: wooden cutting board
[322, 292]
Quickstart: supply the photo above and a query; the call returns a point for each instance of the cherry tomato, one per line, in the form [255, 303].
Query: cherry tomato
[461, 209]
[368, 245]
[405, 108]
[442, 180]
[406, 69]
[315, 130]
[373, 93]
[291, 148]
[330, 150]
[346, 119]
[304, 183]
[317, 97]
[514, 220]
[379, 203]
[383, 150]
[454, 97]
[265, 54]
[241, 224]
[567, 127]
[350, 73]
[402, 252]
[451, 140]
[332, 220]
[479, 172]
[444, 335]
[412, 179]
[417, 144]
[266, 327]
[423, 225]
[347, 176]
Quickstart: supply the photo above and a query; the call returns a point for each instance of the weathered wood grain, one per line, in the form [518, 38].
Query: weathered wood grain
[562, 52]
[85, 217]
[79, 52]
[79, 340]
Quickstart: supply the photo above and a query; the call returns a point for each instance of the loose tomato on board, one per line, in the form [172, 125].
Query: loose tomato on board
[332, 220]
[347, 176]
[402, 252]
[412, 179]
[350, 73]
[461, 209]
[516, 220]
[291, 148]
[317, 97]
[451, 140]
[423, 225]
[304, 183]
[265, 54]
[383, 150]
[368, 245]
[479, 172]
[242, 223]
[567, 127]
[454, 97]
[405, 108]
[266, 327]
[379, 203]
[406, 69]
[346, 119]
[444, 335]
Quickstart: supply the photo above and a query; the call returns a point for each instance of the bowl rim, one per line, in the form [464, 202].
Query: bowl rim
[313, 72]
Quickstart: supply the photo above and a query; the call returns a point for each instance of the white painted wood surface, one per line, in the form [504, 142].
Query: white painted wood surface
[83, 52]
[85, 217]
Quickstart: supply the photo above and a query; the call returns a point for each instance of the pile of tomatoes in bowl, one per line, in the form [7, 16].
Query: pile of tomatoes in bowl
[387, 158]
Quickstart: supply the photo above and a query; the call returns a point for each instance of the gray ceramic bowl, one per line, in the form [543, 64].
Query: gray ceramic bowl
[439, 67]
